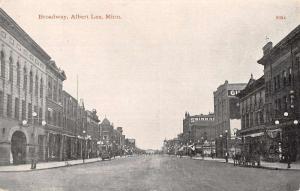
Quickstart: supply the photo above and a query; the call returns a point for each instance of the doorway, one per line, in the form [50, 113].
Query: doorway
[18, 147]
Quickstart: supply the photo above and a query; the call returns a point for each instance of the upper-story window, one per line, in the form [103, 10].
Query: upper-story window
[60, 93]
[275, 83]
[55, 91]
[50, 88]
[298, 67]
[18, 73]
[2, 59]
[30, 81]
[10, 69]
[290, 75]
[284, 77]
[25, 78]
[278, 81]
[36, 88]
[41, 88]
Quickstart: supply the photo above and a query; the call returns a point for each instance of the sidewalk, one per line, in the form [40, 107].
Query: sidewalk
[47, 165]
[263, 164]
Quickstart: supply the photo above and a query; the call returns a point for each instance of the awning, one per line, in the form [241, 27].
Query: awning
[255, 134]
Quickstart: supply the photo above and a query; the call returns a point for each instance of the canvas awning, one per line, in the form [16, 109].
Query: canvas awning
[255, 134]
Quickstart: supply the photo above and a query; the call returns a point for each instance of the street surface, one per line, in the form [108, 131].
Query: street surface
[152, 173]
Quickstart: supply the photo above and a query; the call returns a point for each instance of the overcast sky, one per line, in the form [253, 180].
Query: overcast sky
[162, 58]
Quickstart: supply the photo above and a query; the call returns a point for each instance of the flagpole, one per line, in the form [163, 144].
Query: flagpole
[77, 88]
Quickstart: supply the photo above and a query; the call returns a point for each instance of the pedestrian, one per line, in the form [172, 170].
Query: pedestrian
[288, 160]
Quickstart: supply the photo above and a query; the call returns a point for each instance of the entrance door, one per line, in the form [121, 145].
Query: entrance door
[18, 147]
[69, 148]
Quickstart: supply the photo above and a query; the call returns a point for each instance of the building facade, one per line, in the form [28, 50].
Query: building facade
[252, 102]
[93, 129]
[22, 95]
[54, 129]
[227, 115]
[198, 127]
[38, 120]
[282, 85]
[71, 126]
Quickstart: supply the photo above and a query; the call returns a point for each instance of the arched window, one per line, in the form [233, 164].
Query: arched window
[36, 88]
[30, 82]
[18, 73]
[50, 88]
[41, 88]
[10, 78]
[24, 78]
[2, 64]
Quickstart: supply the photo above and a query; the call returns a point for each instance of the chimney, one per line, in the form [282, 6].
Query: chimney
[267, 48]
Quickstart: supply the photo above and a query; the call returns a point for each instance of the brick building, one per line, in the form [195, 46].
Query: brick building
[93, 129]
[282, 85]
[54, 104]
[38, 120]
[23, 78]
[71, 127]
[198, 127]
[227, 115]
[252, 102]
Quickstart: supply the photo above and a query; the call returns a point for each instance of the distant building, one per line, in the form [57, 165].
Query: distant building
[106, 131]
[93, 130]
[227, 114]
[130, 146]
[198, 128]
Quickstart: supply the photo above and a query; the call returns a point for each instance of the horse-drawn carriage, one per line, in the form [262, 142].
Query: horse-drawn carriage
[246, 159]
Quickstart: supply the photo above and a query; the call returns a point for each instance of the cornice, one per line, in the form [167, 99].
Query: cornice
[286, 41]
[18, 33]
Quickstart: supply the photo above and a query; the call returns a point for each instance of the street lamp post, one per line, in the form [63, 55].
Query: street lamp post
[221, 138]
[202, 143]
[25, 123]
[226, 145]
[85, 138]
[288, 155]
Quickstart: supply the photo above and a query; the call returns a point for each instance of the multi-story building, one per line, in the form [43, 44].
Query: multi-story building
[106, 131]
[198, 127]
[252, 101]
[282, 91]
[119, 140]
[93, 130]
[54, 127]
[23, 79]
[130, 146]
[199, 130]
[70, 126]
[227, 115]
[82, 131]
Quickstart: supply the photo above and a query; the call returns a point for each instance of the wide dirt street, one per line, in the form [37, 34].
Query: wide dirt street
[152, 173]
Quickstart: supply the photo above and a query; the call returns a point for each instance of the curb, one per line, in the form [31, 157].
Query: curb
[261, 167]
[67, 165]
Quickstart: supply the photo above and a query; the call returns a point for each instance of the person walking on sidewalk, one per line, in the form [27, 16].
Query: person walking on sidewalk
[288, 159]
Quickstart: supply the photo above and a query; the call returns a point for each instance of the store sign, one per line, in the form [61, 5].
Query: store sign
[233, 92]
